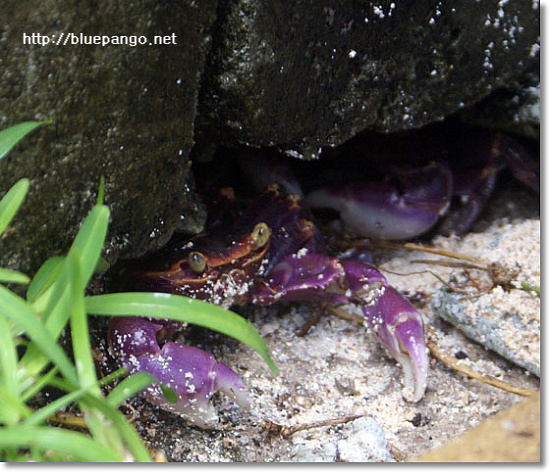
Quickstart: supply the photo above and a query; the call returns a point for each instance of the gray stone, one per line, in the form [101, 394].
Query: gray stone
[366, 443]
[122, 112]
[321, 453]
[306, 74]
[501, 327]
[362, 440]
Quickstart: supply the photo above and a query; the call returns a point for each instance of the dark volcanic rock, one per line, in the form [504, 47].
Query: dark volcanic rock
[123, 112]
[297, 75]
[514, 110]
[306, 74]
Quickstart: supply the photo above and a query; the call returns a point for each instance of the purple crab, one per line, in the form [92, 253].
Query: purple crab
[270, 253]
[452, 176]
[273, 252]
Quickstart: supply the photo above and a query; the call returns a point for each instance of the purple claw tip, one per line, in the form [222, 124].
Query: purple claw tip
[194, 375]
[412, 355]
[400, 330]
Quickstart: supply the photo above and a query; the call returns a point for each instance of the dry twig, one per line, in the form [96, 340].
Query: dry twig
[287, 431]
[451, 362]
[68, 419]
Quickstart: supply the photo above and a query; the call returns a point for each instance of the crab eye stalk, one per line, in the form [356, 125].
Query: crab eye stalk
[197, 262]
[260, 234]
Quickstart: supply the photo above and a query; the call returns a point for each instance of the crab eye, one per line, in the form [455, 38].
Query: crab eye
[260, 234]
[197, 262]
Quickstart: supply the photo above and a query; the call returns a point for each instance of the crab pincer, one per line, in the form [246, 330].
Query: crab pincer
[385, 211]
[400, 330]
[193, 374]
[396, 323]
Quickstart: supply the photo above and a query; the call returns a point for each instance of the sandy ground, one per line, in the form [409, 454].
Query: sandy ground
[338, 371]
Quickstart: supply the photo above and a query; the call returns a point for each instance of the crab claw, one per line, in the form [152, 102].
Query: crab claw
[382, 211]
[396, 323]
[193, 374]
[399, 328]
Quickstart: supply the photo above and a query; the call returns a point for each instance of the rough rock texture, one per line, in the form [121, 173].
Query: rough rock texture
[514, 111]
[306, 74]
[504, 320]
[123, 112]
[297, 75]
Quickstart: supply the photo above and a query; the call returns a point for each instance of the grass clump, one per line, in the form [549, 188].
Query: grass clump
[31, 358]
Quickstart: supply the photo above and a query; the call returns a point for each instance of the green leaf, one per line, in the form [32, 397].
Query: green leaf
[80, 336]
[8, 359]
[41, 415]
[102, 266]
[39, 383]
[11, 136]
[175, 307]
[54, 302]
[45, 277]
[116, 375]
[11, 408]
[13, 276]
[126, 431]
[75, 445]
[530, 288]
[168, 393]
[128, 387]
[101, 191]
[11, 202]
[18, 312]
[88, 242]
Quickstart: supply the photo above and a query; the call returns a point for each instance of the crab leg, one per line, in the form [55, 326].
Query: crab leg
[395, 321]
[192, 373]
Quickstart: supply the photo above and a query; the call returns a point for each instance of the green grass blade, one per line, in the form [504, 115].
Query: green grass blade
[88, 244]
[116, 375]
[11, 136]
[125, 429]
[41, 415]
[38, 384]
[80, 336]
[8, 359]
[102, 266]
[530, 288]
[45, 277]
[89, 241]
[100, 427]
[11, 408]
[54, 302]
[175, 307]
[101, 191]
[11, 202]
[129, 387]
[82, 352]
[18, 312]
[75, 445]
[55, 317]
[117, 420]
[13, 277]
